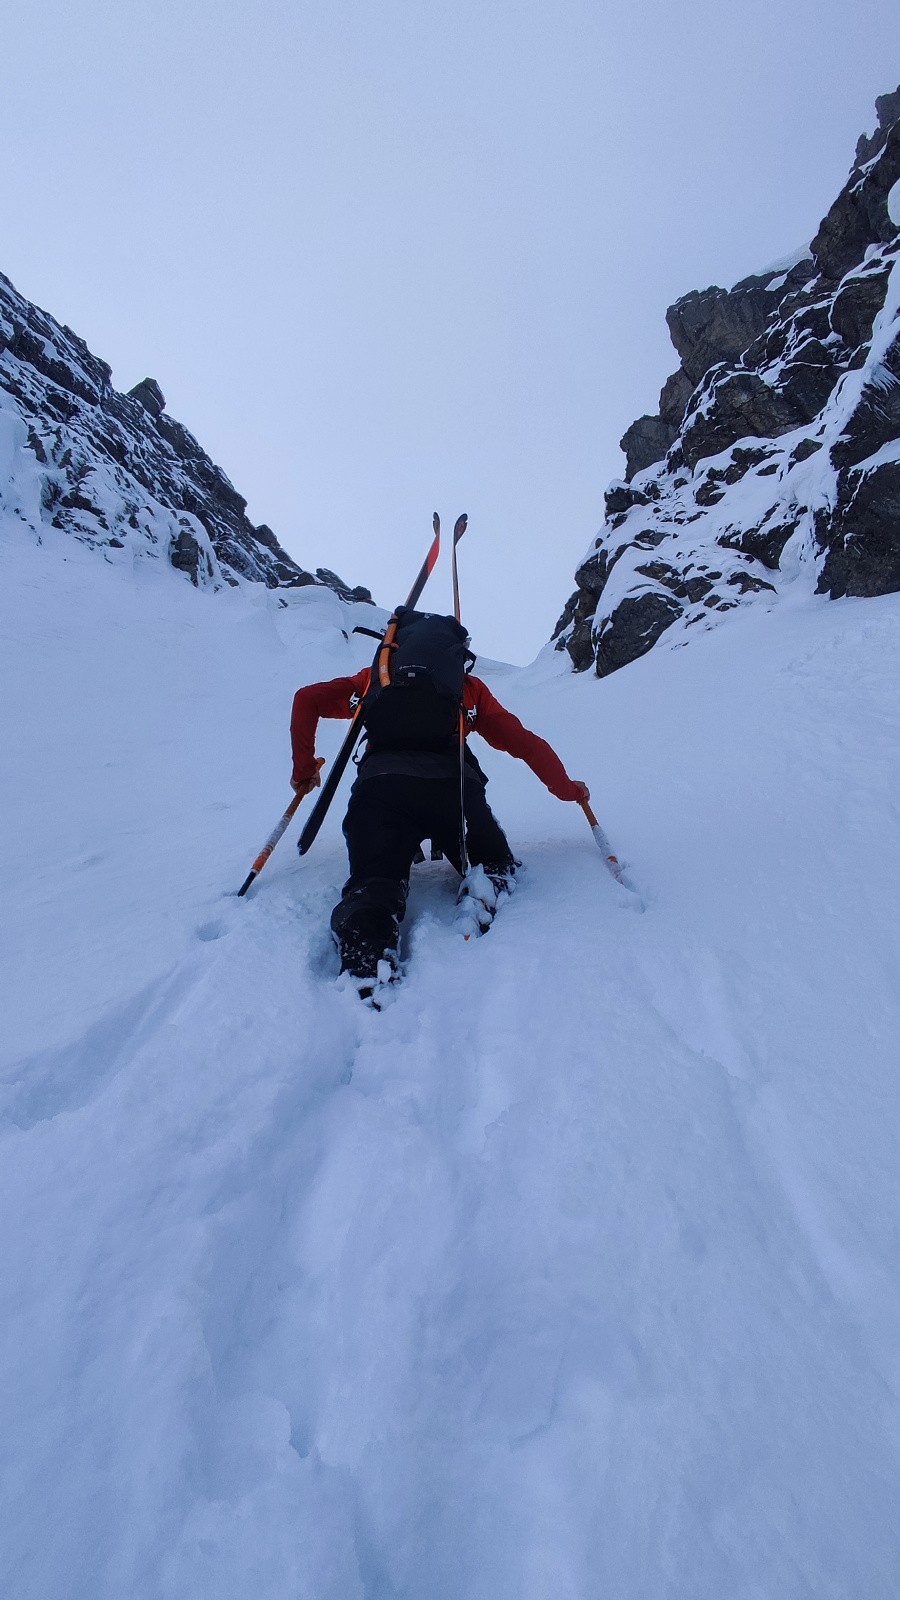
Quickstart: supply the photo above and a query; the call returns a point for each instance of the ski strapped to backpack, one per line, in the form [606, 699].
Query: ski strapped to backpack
[329, 788]
[317, 814]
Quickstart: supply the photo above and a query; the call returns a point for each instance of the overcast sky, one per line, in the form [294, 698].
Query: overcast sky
[390, 257]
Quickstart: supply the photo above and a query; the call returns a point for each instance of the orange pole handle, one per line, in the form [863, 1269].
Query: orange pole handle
[270, 844]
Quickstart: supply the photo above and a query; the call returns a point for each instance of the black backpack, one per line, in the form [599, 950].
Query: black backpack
[425, 659]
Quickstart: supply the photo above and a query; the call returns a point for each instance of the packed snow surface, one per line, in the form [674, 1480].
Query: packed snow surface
[572, 1274]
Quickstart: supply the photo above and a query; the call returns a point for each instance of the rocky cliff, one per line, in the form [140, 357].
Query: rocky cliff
[774, 456]
[117, 472]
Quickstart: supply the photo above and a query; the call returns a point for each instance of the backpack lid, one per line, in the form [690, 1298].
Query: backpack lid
[427, 642]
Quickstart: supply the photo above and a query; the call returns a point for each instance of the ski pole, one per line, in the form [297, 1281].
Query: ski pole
[459, 529]
[270, 844]
[612, 861]
[277, 833]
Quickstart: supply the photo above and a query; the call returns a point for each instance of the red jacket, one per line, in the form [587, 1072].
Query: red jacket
[340, 696]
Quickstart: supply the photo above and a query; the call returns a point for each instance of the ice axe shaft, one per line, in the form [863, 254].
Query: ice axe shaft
[612, 861]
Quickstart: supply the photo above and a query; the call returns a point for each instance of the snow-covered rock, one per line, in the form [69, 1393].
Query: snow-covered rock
[775, 455]
[115, 471]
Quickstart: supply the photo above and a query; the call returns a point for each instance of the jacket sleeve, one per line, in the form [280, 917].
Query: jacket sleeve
[336, 698]
[505, 732]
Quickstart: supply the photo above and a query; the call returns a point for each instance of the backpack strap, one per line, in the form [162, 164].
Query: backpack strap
[384, 654]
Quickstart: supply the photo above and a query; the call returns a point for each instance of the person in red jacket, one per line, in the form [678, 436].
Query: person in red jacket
[401, 797]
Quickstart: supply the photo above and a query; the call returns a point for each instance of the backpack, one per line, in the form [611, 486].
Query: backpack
[426, 658]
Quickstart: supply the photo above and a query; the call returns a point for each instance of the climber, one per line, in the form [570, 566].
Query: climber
[410, 784]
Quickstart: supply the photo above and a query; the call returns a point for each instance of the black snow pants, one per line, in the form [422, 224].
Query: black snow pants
[387, 819]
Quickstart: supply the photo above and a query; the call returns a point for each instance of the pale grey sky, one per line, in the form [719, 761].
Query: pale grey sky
[386, 258]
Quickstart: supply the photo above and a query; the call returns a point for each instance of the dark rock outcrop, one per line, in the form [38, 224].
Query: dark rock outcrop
[620, 497]
[712, 325]
[635, 627]
[739, 405]
[187, 554]
[330, 579]
[118, 473]
[875, 420]
[673, 400]
[766, 542]
[578, 618]
[856, 305]
[148, 394]
[862, 540]
[646, 441]
[776, 447]
[859, 217]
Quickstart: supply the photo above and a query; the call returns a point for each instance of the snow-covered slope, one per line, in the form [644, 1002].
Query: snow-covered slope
[574, 1273]
[774, 460]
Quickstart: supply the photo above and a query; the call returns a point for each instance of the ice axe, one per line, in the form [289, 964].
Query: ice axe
[611, 860]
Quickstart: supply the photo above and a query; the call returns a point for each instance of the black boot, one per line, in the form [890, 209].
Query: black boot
[361, 949]
[368, 952]
[365, 934]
